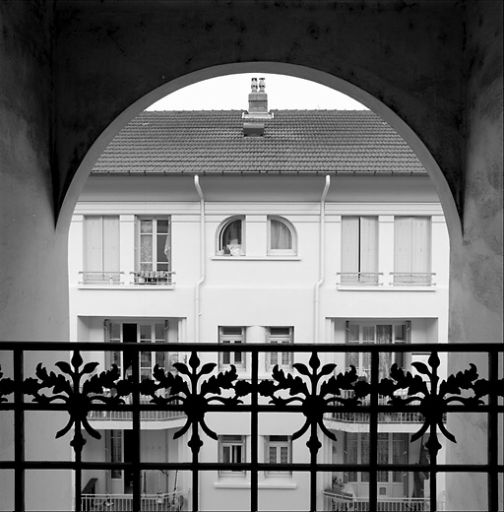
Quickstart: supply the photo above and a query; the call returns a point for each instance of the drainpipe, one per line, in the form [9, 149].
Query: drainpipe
[318, 284]
[199, 283]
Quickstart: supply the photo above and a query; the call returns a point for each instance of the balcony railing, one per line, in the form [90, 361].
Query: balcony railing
[153, 277]
[161, 502]
[413, 278]
[360, 278]
[311, 390]
[336, 503]
[101, 277]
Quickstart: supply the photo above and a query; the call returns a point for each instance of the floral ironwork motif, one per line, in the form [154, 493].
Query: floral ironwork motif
[194, 396]
[6, 387]
[78, 396]
[316, 397]
[433, 395]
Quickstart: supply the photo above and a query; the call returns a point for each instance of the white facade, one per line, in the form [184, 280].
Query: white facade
[367, 256]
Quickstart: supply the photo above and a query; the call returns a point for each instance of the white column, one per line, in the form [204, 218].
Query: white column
[127, 247]
[386, 247]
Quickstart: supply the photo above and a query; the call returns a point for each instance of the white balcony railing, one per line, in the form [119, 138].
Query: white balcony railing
[101, 277]
[161, 502]
[335, 502]
[412, 278]
[360, 278]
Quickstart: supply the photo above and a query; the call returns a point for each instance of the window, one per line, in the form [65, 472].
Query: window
[359, 250]
[231, 241]
[392, 449]
[115, 444]
[372, 333]
[143, 332]
[153, 251]
[278, 450]
[280, 336]
[101, 249]
[231, 451]
[281, 237]
[230, 335]
[412, 251]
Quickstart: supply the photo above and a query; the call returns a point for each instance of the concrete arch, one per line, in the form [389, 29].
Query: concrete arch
[293, 70]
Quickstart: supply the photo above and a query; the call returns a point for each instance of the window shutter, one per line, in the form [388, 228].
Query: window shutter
[368, 244]
[111, 244]
[350, 244]
[420, 240]
[93, 239]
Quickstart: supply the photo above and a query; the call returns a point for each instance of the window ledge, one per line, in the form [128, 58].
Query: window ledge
[125, 287]
[256, 258]
[382, 288]
[269, 483]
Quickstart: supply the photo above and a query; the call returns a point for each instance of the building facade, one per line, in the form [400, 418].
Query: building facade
[168, 246]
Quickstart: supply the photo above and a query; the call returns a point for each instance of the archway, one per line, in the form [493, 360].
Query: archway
[312, 74]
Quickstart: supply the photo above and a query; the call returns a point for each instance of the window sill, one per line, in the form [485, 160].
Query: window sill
[269, 483]
[256, 258]
[125, 287]
[382, 288]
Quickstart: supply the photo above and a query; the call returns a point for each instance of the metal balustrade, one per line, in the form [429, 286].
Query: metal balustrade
[413, 278]
[160, 502]
[101, 277]
[360, 278]
[335, 503]
[153, 277]
[312, 389]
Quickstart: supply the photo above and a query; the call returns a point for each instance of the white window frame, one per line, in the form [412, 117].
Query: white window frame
[278, 442]
[238, 249]
[155, 357]
[417, 271]
[154, 275]
[364, 358]
[361, 439]
[102, 274]
[232, 443]
[354, 270]
[283, 359]
[231, 338]
[292, 251]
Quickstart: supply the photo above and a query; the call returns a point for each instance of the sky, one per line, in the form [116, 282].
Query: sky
[231, 92]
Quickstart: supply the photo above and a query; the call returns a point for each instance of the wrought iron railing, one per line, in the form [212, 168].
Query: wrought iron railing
[160, 502]
[412, 278]
[336, 503]
[312, 390]
[153, 277]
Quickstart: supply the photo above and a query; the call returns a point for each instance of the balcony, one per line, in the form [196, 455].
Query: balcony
[311, 391]
[161, 502]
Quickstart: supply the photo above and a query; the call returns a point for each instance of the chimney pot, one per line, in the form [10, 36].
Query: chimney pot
[254, 84]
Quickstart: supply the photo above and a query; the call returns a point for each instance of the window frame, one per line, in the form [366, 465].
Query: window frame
[220, 249]
[292, 251]
[156, 276]
[280, 339]
[269, 443]
[231, 441]
[225, 338]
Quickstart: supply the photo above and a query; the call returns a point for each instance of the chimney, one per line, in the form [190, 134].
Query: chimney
[254, 119]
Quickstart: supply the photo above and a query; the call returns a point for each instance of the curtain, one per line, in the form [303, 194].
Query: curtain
[281, 237]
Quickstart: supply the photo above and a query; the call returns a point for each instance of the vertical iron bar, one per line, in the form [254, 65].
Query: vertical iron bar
[433, 450]
[373, 432]
[313, 470]
[19, 433]
[254, 434]
[195, 475]
[137, 491]
[78, 470]
[493, 435]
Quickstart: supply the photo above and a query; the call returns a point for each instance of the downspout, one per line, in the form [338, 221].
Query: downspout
[318, 284]
[201, 280]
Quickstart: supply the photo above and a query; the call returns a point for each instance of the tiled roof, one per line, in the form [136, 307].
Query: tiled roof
[295, 141]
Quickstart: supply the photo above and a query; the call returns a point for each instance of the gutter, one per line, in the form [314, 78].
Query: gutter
[318, 284]
[201, 280]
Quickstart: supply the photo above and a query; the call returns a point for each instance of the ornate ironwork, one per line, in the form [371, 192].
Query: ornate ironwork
[6, 387]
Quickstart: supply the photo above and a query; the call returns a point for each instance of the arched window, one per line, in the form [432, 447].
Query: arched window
[281, 237]
[231, 238]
